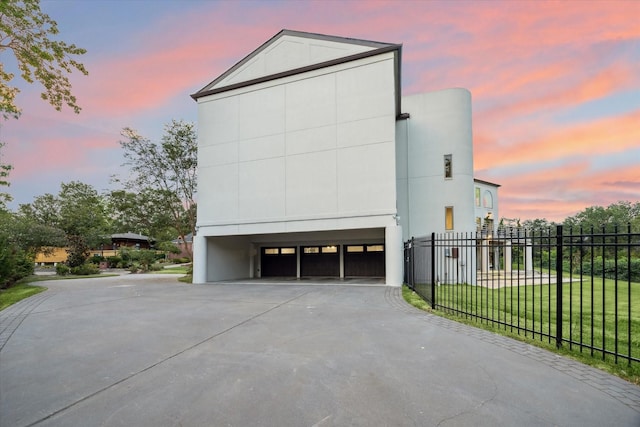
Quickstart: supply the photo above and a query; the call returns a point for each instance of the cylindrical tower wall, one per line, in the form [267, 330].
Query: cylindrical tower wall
[440, 125]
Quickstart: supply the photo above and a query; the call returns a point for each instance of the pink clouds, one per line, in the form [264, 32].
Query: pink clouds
[598, 137]
[526, 63]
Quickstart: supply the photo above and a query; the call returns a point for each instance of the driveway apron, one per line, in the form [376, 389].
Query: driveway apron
[146, 350]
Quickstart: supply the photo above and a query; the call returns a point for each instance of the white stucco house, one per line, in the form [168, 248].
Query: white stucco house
[311, 163]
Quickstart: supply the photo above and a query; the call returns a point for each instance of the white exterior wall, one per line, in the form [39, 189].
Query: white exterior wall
[228, 258]
[440, 124]
[305, 153]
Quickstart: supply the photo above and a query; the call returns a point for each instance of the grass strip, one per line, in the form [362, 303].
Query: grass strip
[17, 293]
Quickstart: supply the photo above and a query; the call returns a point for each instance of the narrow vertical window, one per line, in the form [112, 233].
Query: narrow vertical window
[448, 166]
[478, 196]
[448, 218]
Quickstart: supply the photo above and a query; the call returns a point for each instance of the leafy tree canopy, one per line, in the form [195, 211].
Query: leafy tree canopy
[617, 214]
[164, 173]
[78, 210]
[4, 182]
[27, 32]
[138, 212]
[599, 217]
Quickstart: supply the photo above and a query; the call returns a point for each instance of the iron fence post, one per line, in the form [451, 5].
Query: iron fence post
[433, 270]
[412, 263]
[559, 238]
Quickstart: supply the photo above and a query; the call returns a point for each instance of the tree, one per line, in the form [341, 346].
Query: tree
[165, 172]
[33, 237]
[4, 175]
[616, 214]
[79, 211]
[20, 241]
[27, 32]
[138, 212]
[83, 212]
[44, 209]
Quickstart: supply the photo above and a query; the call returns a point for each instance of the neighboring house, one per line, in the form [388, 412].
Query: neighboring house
[131, 240]
[52, 257]
[310, 163]
[118, 241]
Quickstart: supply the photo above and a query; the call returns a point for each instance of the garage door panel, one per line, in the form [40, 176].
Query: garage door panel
[278, 262]
[364, 260]
[320, 261]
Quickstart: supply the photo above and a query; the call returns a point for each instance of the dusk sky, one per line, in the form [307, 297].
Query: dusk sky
[555, 86]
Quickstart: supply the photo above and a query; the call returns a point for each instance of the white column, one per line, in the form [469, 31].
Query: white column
[199, 259]
[394, 255]
[507, 257]
[528, 257]
[484, 255]
[253, 252]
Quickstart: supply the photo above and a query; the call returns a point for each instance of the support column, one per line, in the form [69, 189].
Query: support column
[484, 256]
[394, 255]
[253, 252]
[528, 257]
[507, 257]
[199, 259]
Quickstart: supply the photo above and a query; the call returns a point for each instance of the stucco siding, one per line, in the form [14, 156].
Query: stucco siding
[440, 124]
[311, 146]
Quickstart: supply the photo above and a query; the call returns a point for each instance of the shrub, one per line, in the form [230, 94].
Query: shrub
[145, 258]
[85, 269]
[96, 259]
[155, 267]
[62, 269]
[14, 263]
[114, 262]
[134, 268]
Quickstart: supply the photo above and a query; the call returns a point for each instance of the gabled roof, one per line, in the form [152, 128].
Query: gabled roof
[293, 52]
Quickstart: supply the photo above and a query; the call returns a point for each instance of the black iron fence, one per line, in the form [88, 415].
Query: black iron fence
[574, 287]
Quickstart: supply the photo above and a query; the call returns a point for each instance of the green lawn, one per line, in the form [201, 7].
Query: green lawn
[589, 313]
[18, 292]
[174, 270]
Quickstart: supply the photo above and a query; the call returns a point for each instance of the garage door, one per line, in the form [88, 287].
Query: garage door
[278, 262]
[320, 261]
[364, 260]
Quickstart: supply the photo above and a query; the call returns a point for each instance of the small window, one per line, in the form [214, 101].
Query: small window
[355, 248]
[478, 196]
[271, 251]
[448, 166]
[312, 250]
[448, 218]
[375, 248]
[330, 250]
[288, 251]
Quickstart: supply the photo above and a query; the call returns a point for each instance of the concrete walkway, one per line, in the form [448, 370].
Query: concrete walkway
[146, 350]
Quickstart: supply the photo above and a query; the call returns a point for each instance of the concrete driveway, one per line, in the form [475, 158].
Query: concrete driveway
[145, 350]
